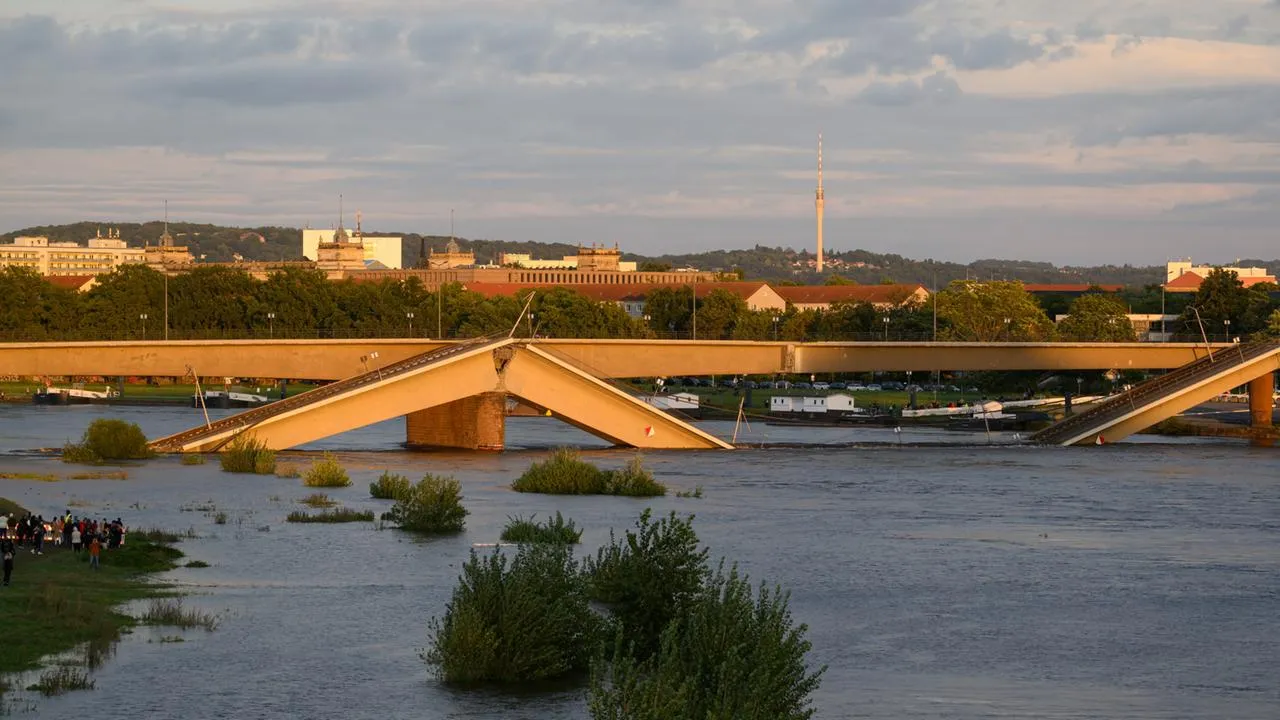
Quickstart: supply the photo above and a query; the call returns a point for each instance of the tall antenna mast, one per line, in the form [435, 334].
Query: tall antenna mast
[339, 210]
[819, 202]
[166, 216]
[451, 236]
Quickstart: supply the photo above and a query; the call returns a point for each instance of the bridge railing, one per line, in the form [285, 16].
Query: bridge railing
[257, 415]
[1120, 405]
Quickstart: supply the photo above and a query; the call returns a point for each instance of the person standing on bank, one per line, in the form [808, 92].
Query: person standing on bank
[8, 550]
[95, 549]
[75, 538]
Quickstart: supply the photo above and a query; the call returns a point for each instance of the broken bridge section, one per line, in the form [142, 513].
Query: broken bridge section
[453, 397]
[1131, 412]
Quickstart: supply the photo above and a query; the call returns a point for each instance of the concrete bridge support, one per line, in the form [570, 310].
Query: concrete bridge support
[1262, 400]
[471, 423]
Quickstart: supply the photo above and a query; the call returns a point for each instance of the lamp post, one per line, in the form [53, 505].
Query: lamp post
[143, 318]
[410, 316]
[775, 327]
[439, 304]
[693, 301]
[1226, 330]
[886, 328]
[530, 324]
[271, 325]
[1007, 323]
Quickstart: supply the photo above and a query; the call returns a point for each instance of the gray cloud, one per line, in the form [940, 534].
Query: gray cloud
[600, 120]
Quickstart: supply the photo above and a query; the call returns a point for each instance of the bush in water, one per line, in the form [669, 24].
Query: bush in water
[434, 505]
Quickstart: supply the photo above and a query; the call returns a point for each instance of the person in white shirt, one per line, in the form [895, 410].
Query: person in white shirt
[75, 538]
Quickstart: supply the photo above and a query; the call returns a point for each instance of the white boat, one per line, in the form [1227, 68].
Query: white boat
[72, 396]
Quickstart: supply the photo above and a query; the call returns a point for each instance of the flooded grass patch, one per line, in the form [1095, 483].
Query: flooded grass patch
[288, 470]
[172, 612]
[60, 680]
[197, 564]
[100, 475]
[553, 530]
[339, 515]
[319, 500]
[192, 459]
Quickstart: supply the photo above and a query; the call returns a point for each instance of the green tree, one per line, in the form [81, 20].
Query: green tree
[113, 308]
[670, 309]
[995, 311]
[34, 308]
[718, 314]
[1226, 307]
[837, 279]
[1096, 318]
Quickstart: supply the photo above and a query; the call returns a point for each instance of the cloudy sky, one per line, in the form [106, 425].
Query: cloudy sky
[1084, 132]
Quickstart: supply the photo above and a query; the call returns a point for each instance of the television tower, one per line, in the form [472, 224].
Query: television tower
[819, 201]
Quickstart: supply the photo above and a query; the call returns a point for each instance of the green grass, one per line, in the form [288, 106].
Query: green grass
[192, 459]
[55, 602]
[247, 454]
[197, 564]
[389, 486]
[695, 493]
[327, 473]
[318, 500]
[339, 515]
[554, 530]
[175, 392]
[566, 473]
[11, 508]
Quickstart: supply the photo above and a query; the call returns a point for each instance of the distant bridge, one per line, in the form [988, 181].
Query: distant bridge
[453, 393]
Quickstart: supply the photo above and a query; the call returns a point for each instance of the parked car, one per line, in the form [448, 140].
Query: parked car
[874, 388]
[839, 386]
[801, 386]
[821, 386]
[857, 387]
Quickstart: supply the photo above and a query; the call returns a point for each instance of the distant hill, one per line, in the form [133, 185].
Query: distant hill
[220, 243]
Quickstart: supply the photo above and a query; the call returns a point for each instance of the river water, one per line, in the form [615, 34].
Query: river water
[941, 577]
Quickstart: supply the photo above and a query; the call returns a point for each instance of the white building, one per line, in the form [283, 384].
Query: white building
[386, 249]
[1177, 268]
[813, 405]
[99, 255]
[779, 403]
[841, 402]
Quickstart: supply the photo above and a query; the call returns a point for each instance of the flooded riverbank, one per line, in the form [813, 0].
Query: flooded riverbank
[960, 580]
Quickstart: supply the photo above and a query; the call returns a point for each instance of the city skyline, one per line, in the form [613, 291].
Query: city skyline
[1095, 132]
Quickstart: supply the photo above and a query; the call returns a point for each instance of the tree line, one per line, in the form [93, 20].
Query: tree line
[220, 301]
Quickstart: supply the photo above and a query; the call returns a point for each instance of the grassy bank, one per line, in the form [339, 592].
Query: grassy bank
[55, 602]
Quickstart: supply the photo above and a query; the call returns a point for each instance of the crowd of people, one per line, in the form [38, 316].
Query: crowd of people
[76, 534]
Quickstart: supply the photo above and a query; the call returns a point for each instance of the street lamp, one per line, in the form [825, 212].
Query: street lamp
[775, 327]
[271, 324]
[1226, 330]
[143, 318]
[531, 324]
[1007, 323]
[410, 316]
[886, 329]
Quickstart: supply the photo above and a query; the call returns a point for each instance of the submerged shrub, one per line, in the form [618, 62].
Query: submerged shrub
[192, 459]
[554, 530]
[327, 473]
[566, 473]
[728, 655]
[389, 486]
[247, 454]
[525, 621]
[634, 480]
[433, 505]
[106, 439]
[648, 577]
[318, 500]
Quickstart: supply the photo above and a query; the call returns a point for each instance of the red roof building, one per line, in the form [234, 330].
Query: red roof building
[757, 295]
[79, 283]
[822, 297]
[1189, 282]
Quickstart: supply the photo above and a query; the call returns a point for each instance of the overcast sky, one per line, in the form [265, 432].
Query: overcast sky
[1081, 132]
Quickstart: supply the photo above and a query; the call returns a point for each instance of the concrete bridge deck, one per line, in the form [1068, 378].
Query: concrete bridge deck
[336, 359]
